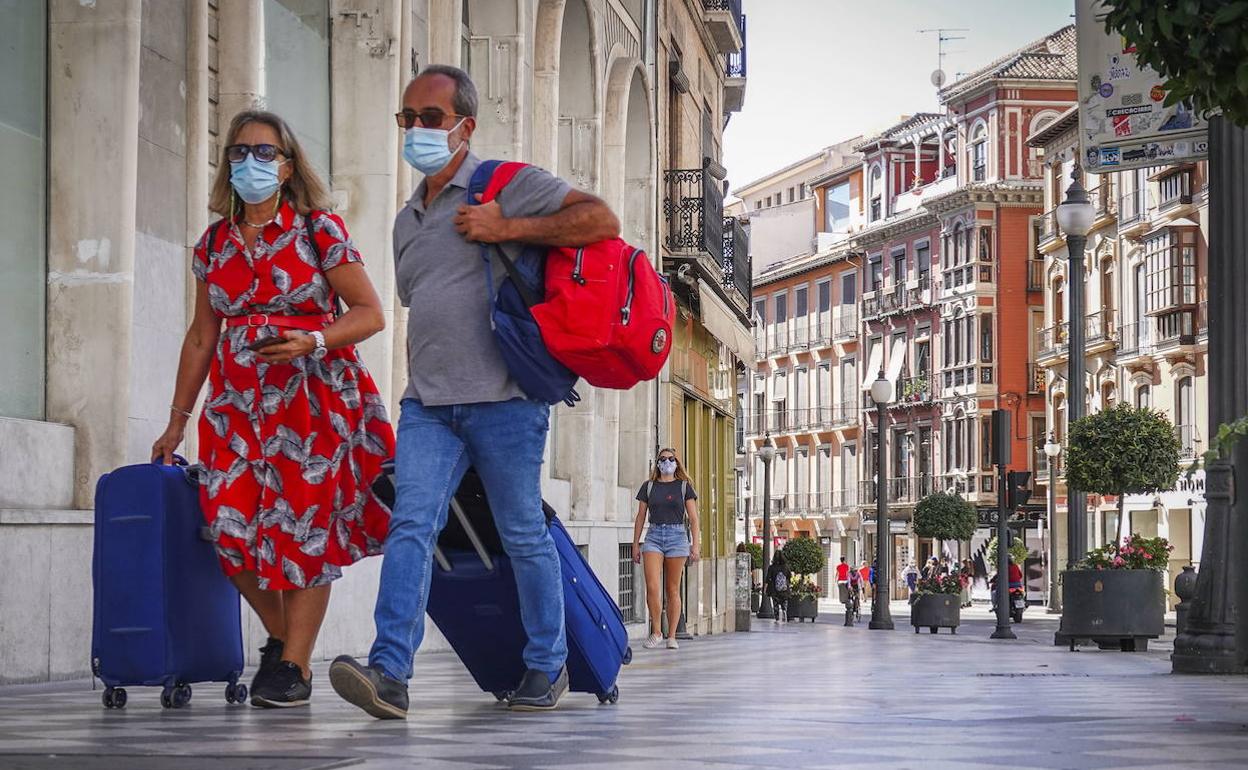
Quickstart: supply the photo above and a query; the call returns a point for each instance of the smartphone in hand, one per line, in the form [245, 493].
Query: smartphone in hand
[265, 342]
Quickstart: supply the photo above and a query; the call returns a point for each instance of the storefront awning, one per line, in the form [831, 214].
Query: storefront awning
[720, 321]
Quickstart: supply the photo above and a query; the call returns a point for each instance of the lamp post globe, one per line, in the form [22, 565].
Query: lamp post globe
[881, 615]
[766, 453]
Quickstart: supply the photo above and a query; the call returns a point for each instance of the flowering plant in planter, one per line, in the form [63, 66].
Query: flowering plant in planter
[805, 589]
[1138, 552]
[940, 584]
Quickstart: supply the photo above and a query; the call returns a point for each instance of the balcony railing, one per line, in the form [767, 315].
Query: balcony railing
[1133, 207]
[914, 390]
[845, 323]
[1188, 439]
[736, 261]
[693, 212]
[734, 63]
[1103, 198]
[900, 490]
[1054, 340]
[1100, 327]
[1136, 340]
[1049, 229]
[1035, 275]
[1041, 468]
[814, 418]
[979, 173]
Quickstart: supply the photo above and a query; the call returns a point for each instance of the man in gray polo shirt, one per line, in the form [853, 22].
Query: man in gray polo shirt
[461, 407]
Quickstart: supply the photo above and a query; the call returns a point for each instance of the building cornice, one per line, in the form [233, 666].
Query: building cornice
[839, 253]
[915, 220]
[999, 193]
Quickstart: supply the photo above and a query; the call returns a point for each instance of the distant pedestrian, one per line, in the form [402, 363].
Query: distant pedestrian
[967, 575]
[671, 503]
[864, 574]
[779, 581]
[911, 576]
[932, 569]
[843, 571]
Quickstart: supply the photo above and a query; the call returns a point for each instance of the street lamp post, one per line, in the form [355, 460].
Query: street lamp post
[881, 615]
[1075, 216]
[1051, 451]
[766, 453]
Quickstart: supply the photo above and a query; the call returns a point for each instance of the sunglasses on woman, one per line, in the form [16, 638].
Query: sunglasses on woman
[237, 153]
[431, 117]
[666, 457]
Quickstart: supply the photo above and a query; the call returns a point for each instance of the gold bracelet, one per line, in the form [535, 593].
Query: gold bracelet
[182, 412]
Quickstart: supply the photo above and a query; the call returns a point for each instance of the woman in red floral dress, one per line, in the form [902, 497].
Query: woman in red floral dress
[293, 432]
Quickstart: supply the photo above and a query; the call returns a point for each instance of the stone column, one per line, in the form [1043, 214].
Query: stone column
[240, 44]
[368, 79]
[93, 101]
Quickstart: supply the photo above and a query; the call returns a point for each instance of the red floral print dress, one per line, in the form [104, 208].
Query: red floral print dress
[290, 450]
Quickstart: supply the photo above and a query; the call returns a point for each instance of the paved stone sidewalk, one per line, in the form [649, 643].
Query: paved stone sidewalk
[782, 696]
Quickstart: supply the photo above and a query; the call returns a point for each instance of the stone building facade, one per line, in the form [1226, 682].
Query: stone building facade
[117, 112]
[1146, 289]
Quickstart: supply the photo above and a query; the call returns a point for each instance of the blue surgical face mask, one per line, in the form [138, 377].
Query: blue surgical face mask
[667, 467]
[428, 150]
[255, 181]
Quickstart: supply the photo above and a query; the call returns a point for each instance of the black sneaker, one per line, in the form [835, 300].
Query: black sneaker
[537, 693]
[283, 688]
[367, 687]
[270, 656]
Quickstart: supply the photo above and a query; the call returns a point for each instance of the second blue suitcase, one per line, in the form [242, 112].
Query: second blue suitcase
[165, 615]
[474, 603]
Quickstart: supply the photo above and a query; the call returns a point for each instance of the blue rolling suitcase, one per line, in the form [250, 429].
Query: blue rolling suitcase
[165, 615]
[474, 603]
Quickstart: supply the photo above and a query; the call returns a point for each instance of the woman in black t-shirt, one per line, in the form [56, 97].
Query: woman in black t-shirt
[670, 500]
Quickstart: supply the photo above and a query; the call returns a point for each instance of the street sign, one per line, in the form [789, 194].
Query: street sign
[1123, 120]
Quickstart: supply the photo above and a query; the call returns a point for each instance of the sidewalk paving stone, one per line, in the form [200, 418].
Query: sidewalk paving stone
[782, 696]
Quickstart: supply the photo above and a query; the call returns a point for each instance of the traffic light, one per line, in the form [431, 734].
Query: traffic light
[1018, 489]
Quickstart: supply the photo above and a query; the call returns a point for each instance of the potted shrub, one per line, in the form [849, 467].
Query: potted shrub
[1017, 549]
[805, 558]
[938, 601]
[1115, 596]
[1124, 450]
[938, 604]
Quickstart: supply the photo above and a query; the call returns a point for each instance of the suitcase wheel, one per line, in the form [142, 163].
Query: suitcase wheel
[236, 693]
[114, 698]
[610, 697]
[175, 697]
[501, 695]
[628, 655]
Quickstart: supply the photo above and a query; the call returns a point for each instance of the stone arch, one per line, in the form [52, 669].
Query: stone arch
[628, 150]
[566, 99]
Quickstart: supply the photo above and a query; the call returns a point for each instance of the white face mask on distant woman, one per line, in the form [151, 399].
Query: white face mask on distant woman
[667, 467]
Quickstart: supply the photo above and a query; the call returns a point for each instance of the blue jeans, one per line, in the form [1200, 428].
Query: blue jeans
[671, 540]
[504, 442]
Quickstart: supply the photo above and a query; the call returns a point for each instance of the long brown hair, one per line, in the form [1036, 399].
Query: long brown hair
[680, 467]
[304, 190]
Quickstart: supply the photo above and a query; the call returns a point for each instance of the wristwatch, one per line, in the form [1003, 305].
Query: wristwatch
[320, 351]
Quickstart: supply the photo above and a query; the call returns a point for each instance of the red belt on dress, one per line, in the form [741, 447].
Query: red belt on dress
[304, 322]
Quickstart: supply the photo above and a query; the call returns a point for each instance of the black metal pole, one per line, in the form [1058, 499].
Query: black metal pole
[1055, 599]
[881, 615]
[1003, 630]
[1076, 391]
[1207, 643]
[765, 610]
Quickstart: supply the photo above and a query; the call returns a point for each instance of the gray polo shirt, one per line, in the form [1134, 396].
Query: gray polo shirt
[451, 354]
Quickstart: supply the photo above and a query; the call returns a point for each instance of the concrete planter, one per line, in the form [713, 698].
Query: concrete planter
[936, 611]
[1116, 608]
[800, 609]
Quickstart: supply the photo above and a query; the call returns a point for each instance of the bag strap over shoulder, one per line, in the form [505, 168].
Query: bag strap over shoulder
[307, 226]
[488, 181]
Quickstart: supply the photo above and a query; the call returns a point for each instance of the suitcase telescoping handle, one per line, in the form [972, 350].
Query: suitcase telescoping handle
[473, 537]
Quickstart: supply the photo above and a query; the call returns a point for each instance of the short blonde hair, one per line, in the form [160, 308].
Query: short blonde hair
[304, 190]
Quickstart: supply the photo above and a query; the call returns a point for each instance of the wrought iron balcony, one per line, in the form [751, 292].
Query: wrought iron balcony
[1136, 340]
[693, 212]
[845, 323]
[914, 391]
[1100, 328]
[1054, 340]
[1188, 440]
[1049, 229]
[901, 490]
[723, 21]
[736, 261]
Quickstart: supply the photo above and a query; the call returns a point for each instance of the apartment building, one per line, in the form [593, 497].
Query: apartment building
[1145, 324]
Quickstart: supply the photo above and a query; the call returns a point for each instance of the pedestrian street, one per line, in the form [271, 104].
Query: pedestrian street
[783, 696]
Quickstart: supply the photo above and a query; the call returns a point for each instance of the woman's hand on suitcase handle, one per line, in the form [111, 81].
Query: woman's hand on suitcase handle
[168, 442]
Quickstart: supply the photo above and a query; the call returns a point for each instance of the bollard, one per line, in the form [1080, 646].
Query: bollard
[1185, 589]
[743, 591]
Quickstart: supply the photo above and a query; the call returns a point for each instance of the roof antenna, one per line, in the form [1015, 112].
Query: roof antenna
[939, 78]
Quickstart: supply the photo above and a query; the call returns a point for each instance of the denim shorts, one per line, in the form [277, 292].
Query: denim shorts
[671, 540]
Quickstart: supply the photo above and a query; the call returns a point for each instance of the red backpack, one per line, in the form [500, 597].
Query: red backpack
[607, 313]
